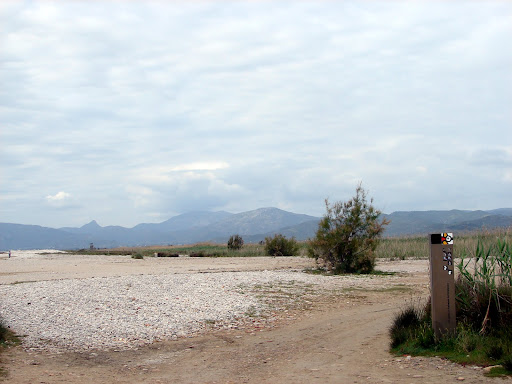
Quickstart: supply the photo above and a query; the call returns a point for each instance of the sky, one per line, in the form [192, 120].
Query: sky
[127, 112]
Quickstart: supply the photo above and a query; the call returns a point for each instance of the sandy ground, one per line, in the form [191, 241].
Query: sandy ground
[26, 266]
[339, 339]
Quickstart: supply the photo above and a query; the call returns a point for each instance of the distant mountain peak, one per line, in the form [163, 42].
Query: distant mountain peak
[92, 225]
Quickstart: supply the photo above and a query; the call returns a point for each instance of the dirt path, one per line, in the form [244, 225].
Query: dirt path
[342, 339]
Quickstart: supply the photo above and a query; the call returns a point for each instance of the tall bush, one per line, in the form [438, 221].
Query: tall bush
[348, 234]
[279, 245]
[235, 242]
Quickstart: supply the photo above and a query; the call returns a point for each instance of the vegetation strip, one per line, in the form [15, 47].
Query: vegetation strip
[484, 313]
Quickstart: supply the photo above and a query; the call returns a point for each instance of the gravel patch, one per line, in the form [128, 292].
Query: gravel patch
[126, 312]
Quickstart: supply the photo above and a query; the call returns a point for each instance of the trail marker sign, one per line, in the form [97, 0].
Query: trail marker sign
[442, 283]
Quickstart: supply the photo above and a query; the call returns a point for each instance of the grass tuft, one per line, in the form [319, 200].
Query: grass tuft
[3, 332]
[404, 325]
[7, 337]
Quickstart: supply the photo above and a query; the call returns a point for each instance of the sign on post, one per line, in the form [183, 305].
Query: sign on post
[442, 283]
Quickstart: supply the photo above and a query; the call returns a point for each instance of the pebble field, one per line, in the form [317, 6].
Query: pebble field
[124, 312]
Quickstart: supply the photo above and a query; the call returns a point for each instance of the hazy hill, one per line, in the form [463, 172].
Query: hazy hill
[302, 231]
[184, 221]
[491, 221]
[501, 211]
[218, 226]
[245, 224]
[19, 236]
[112, 234]
[258, 221]
[423, 222]
[182, 229]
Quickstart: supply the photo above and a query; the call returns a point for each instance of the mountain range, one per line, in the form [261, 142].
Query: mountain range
[253, 226]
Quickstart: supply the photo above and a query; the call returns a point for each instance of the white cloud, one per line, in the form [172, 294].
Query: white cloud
[240, 105]
[59, 196]
[61, 200]
[200, 166]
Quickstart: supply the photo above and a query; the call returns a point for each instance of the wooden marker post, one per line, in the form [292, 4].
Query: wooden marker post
[442, 283]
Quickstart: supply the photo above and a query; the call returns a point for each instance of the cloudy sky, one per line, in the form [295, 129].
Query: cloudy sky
[136, 111]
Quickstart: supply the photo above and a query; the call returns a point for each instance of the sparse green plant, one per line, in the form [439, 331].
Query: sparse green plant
[235, 242]
[425, 335]
[279, 245]
[467, 339]
[348, 235]
[138, 256]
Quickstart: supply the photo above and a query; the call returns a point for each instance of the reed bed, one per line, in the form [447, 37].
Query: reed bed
[417, 247]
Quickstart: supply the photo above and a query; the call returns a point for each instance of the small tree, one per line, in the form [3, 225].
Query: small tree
[235, 242]
[279, 245]
[348, 235]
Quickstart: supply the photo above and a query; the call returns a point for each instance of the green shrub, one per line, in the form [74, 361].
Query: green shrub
[404, 326]
[348, 235]
[235, 242]
[138, 256]
[495, 352]
[279, 245]
[3, 331]
[507, 362]
[166, 254]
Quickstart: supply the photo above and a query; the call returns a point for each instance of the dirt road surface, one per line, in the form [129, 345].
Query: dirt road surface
[341, 338]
